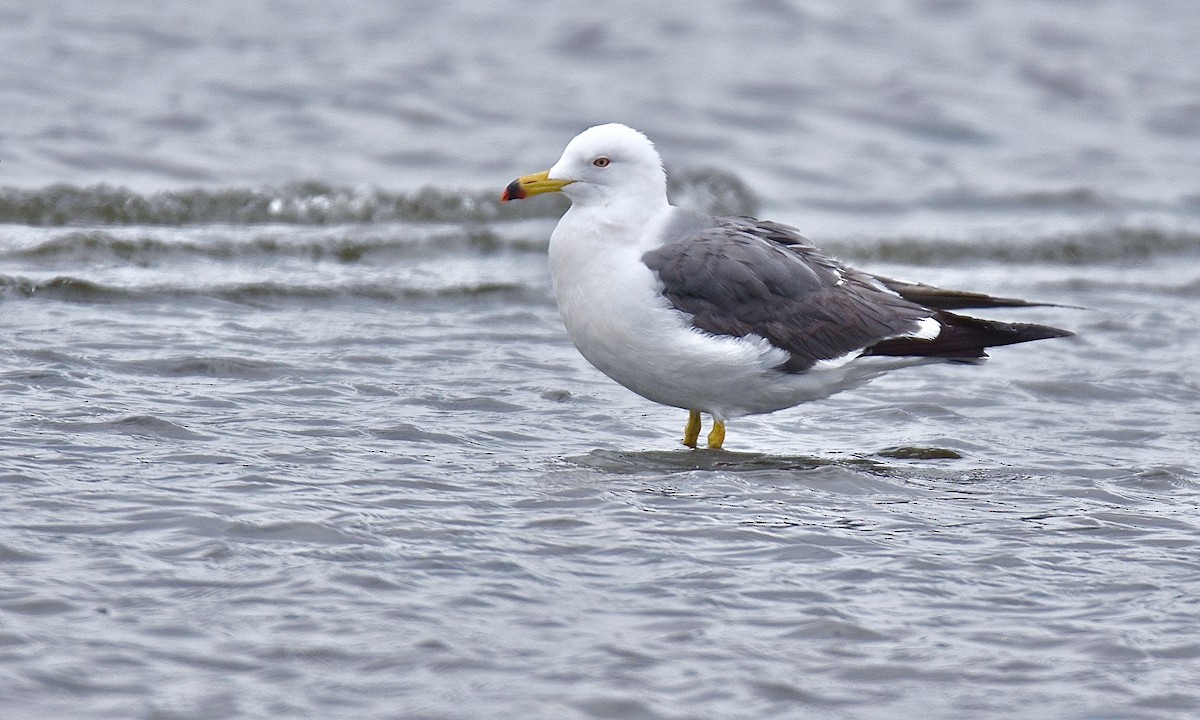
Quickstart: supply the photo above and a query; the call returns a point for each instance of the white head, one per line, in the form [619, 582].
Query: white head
[602, 165]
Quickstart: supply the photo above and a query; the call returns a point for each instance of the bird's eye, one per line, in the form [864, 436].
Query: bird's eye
[601, 161]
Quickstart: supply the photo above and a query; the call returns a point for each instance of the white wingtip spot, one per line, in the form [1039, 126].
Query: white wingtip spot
[927, 329]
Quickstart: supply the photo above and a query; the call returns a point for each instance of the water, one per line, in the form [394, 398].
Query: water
[292, 428]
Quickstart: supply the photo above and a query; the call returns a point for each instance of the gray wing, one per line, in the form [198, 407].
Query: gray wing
[746, 277]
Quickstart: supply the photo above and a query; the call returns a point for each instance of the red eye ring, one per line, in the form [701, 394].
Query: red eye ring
[601, 162]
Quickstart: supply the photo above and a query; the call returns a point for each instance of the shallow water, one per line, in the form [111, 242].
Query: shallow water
[287, 435]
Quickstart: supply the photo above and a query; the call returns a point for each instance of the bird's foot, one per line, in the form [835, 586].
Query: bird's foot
[691, 432]
[716, 436]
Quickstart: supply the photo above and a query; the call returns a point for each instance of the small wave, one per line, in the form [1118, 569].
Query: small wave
[86, 245]
[140, 425]
[1083, 285]
[59, 288]
[314, 203]
[1121, 244]
[307, 203]
[1078, 198]
[71, 289]
[217, 366]
[1071, 200]
[253, 293]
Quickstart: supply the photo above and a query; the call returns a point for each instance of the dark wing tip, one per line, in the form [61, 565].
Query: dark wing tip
[964, 337]
[936, 298]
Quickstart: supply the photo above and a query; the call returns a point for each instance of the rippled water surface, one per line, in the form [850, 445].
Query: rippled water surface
[292, 427]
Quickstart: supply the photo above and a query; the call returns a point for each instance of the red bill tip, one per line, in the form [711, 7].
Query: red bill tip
[514, 191]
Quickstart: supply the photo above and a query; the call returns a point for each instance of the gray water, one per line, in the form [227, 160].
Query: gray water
[292, 428]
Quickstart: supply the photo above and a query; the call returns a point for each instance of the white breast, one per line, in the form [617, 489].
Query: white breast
[615, 315]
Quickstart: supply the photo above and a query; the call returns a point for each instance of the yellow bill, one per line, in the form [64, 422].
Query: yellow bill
[536, 184]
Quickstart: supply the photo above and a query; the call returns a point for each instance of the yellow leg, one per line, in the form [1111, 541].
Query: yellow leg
[691, 432]
[716, 437]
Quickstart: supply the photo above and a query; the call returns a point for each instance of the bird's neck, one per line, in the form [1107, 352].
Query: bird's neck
[626, 210]
[617, 222]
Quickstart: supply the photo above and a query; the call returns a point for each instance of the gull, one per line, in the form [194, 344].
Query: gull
[730, 316]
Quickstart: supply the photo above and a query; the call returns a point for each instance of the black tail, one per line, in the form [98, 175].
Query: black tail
[966, 338]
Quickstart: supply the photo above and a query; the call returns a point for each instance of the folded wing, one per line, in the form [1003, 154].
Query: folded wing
[742, 277]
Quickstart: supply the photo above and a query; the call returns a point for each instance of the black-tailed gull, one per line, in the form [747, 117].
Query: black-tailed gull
[730, 316]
